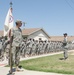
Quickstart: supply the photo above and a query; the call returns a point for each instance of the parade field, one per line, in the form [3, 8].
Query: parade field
[54, 63]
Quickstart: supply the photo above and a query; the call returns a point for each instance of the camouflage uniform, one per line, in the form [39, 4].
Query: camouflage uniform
[23, 49]
[65, 46]
[17, 39]
[7, 48]
[40, 45]
[0, 49]
[2, 46]
[36, 49]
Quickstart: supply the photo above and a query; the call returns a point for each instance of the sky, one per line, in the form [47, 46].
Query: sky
[54, 16]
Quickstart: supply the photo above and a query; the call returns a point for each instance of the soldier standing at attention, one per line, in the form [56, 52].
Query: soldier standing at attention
[17, 38]
[64, 45]
[0, 48]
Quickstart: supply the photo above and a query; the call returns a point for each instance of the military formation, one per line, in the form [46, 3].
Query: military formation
[31, 47]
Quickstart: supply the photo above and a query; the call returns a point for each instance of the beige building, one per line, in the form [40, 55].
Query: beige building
[35, 33]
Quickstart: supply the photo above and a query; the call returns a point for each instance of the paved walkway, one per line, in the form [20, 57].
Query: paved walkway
[5, 70]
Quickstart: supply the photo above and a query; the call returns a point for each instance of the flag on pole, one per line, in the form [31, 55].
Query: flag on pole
[8, 22]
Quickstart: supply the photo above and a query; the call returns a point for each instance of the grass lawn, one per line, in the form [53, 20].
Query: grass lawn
[51, 64]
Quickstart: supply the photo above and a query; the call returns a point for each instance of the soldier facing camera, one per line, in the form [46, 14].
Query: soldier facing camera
[65, 46]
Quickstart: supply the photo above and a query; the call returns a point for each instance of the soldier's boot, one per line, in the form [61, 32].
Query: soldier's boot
[65, 58]
[19, 68]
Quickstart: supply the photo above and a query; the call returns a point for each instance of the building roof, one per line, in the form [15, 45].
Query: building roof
[30, 31]
[60, 38]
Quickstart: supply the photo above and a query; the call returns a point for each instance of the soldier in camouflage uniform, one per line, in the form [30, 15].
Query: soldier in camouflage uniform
[0, 48]
[16, 34]
[23, 48]
[29, 47]
[33, 47]
[7, 48]
[40, 45]
[36, 49]
[64, 46]
[2, 40]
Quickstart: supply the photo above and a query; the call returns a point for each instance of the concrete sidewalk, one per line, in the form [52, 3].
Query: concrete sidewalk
[5, 71]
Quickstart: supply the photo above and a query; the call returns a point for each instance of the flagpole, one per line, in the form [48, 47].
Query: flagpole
[10, 51]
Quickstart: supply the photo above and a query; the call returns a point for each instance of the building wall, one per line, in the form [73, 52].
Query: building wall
[39, 34]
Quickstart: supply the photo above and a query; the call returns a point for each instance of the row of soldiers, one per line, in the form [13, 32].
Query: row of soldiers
[36, 47]
[32, 47]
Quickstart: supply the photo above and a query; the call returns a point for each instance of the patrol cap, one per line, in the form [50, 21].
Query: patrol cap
[65, 34]
[18, 21]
